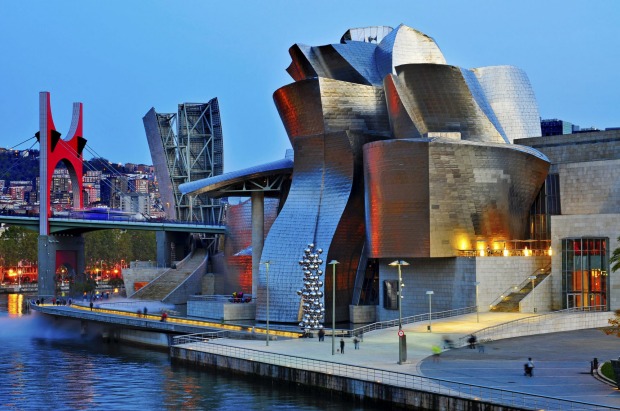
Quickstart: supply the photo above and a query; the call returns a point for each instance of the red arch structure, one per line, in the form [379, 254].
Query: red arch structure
[54, 150]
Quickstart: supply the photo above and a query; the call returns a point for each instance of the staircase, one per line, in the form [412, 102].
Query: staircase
[163, 285]
[510, 302]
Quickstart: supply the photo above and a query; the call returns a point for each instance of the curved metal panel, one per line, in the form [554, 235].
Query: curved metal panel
[320, 190]
[206, 185]
[432, 197]
[299, 106]
[510, 94]
[406, 45]
[442, 102]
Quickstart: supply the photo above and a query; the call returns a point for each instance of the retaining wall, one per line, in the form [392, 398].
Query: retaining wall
[360, 390]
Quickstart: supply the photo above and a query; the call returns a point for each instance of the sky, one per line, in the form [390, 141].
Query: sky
[120, 58]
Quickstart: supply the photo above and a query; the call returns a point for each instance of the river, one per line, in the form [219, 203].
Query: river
[47, 365]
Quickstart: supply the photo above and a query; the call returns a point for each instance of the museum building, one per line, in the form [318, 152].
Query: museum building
[415, 175]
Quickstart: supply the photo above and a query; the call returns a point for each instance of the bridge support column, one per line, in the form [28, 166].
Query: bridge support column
[55, 251]
[258, 236]
[171, 247]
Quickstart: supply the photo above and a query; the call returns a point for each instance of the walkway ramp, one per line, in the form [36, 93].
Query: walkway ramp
[165, 284]
[510, 302]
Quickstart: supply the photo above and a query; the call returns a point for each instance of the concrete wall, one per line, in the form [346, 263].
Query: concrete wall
[599, 225]
[221, 311]
[541, 300]
[453, 282]
[497, 274]
[370, 392]
[590, 188]
[133, 275]
[362, 314]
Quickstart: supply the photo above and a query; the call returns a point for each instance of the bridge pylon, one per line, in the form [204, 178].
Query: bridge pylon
[55, 251]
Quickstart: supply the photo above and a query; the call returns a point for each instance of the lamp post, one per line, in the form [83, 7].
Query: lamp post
[477, 283]
[430, 309]
[333, 264]
[400, 263]
[267, 263]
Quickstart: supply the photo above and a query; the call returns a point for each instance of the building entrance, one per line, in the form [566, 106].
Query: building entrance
[585, 265]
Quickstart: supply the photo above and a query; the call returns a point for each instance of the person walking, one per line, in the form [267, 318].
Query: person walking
[356, 343]
[91, 305]
[321, 335]
[341, 345]
[529, 367]
[436, 352]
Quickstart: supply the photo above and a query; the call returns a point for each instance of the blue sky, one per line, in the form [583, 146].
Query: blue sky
[120, 58]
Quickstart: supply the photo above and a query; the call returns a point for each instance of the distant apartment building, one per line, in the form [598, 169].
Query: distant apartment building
[135, 203]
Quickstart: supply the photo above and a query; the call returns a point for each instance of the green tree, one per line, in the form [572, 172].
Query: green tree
[109, 247]
[18, 244]
[614, 261]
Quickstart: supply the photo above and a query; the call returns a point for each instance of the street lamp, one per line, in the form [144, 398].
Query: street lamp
[267, 268]
[400, 263]
[430, 309]
[477, 283]
[333, 264]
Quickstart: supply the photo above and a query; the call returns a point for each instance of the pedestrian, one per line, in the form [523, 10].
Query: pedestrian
[341, 345]
[145, 311]
[472, 341]
[436, 352]
[139, 313]
[321, 335]
[91, 305]
[163, 317]
[356, 343]
[529, 367]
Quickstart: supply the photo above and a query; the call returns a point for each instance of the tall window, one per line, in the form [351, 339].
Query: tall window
[585, 268]
[546, 204]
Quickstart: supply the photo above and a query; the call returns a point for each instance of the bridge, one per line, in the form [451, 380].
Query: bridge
[81, 225]
[60, 241]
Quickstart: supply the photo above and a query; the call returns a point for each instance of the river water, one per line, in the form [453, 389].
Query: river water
[47, 365]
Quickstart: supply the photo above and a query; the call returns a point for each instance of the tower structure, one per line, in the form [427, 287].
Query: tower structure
[187, 146]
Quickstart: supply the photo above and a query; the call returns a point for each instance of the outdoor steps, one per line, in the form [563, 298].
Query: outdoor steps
[510, 303]
[159, 288]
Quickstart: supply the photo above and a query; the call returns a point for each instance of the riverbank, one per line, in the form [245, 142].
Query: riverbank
[371, 373]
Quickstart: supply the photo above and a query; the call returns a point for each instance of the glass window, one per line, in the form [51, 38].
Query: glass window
[585, 282]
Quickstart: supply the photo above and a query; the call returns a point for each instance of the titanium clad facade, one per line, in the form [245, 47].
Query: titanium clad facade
[397, 155]
[511, 97]
[433, 197]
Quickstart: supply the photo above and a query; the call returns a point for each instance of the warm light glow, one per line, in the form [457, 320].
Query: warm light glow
[505, 252]
[481, 252]
[526, 252]
[550, 251]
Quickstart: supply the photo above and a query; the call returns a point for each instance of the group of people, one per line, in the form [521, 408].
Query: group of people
[238, 297]
[356, 341]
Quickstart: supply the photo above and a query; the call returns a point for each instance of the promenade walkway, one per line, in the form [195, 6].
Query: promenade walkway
[562, 359]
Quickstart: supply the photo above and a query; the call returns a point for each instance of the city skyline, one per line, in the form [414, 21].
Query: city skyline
[120, 62]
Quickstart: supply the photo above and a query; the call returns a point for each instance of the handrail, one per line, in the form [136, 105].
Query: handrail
[412, 319]
[394, 378]
[480, 334]
[508, 291]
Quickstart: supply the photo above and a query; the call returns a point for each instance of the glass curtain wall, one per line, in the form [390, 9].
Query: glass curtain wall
[585, 268]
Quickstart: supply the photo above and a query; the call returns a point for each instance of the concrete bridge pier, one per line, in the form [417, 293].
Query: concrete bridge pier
[56, 251]
[172, 247]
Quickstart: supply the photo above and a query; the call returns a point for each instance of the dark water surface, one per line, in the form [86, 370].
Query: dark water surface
[47, 365]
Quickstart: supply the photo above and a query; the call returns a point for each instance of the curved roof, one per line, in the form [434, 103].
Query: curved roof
[242, 182]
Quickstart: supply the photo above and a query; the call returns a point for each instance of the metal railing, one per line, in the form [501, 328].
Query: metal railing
[393, 378]
[486, 334]
[408, 320]
[516, 288]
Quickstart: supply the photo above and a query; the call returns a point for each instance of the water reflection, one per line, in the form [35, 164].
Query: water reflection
[15, 304]
[47, 364]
